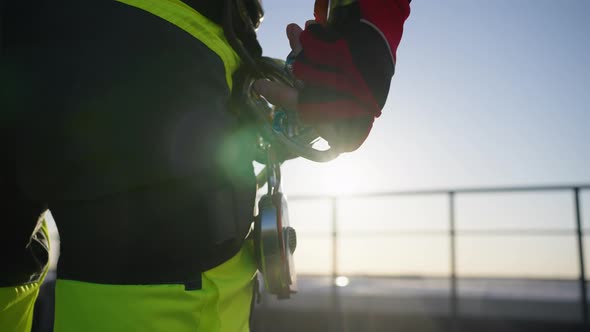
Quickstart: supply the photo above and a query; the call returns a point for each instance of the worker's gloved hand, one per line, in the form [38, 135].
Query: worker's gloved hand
[345, 68]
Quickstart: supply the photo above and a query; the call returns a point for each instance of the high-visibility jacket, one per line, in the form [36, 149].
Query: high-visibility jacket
[117, 119]
[128, 116]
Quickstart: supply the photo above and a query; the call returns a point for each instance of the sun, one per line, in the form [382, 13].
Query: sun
[338, 177]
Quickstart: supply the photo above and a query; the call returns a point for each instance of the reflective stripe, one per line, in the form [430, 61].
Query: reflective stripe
[197, 25]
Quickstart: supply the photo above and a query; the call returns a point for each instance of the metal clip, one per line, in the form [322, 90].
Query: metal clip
[273, 171]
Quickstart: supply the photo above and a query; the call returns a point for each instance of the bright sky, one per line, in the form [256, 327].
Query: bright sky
[486, 93]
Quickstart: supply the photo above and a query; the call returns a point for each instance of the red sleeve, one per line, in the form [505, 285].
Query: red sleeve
[387, 17]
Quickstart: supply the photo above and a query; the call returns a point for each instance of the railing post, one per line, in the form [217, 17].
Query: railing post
[338, 324]
[580, 238]
[453, 298]
[334, 239]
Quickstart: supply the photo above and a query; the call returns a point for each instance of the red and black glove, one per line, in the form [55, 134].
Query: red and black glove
[346, 67]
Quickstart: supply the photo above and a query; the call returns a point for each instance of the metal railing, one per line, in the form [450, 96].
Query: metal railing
[451, 195]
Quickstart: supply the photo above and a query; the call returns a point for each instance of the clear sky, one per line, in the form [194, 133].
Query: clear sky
[486, 93]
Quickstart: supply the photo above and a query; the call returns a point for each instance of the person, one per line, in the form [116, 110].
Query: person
[114, 116]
